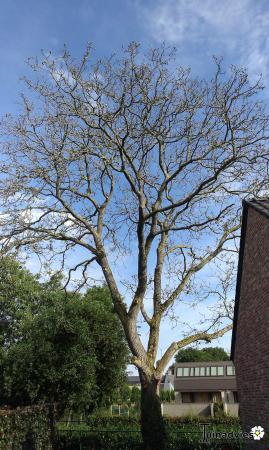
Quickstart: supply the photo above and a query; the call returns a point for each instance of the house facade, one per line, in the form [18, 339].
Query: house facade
[205, 382]
[250, 340]
[167, 382]
[197, 386]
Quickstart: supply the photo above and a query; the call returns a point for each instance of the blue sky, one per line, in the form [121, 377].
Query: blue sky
[234, 29]
[238, 30]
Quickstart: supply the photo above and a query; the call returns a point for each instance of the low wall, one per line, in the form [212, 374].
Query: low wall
[186, 409]
[232, 409]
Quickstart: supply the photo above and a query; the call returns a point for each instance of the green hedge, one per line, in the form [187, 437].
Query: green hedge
[124, 434]
[29, 426]
[98, 421]
[226, 420]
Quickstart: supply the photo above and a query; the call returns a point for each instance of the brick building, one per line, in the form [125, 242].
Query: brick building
[250, 340]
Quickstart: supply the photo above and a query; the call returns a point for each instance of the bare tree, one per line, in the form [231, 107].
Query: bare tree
[133, 155]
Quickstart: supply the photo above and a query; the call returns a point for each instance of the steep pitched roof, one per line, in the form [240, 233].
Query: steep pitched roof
[262, 206]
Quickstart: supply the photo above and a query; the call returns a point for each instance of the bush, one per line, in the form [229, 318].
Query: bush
[226, 420]
[31, 427]
[167, 396]
[135, 395]
[124, 433]
[102, 433]
[218, 409]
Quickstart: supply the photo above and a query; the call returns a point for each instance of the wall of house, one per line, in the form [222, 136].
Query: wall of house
[231, 409]
[229, 397]
[205, 383]
[186, 409]
[252, 338]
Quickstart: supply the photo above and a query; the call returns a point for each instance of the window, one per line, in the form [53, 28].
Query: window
[213, 371]
[235, 397]
[124, 410]
[216, 397]
[201, 397]
[230, 370]
[197, 371]
[187, 397]
[183, 371]
[200, 371]
[115, 410]
[120, 410]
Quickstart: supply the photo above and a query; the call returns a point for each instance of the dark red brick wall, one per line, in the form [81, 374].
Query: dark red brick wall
[252, 338]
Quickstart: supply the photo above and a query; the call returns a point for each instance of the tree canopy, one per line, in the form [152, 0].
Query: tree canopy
[190, 354]
[133, 157]
[57, 347]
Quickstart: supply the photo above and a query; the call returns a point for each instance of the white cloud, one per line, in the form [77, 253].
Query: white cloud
[234, 28]
[179, 21]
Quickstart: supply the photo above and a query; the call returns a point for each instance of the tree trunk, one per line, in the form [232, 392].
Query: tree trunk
[152, 423]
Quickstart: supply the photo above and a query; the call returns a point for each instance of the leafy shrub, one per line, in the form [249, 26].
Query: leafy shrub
[28, 426]
[218, 409]
[167, 396]
[226, 420]
[135, 395]
[124, 433]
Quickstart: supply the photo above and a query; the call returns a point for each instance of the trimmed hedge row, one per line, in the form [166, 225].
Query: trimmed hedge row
[124, 434]
[32, 428]
[28, 427]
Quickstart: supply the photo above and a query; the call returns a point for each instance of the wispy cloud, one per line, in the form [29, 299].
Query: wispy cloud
[237, 29]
